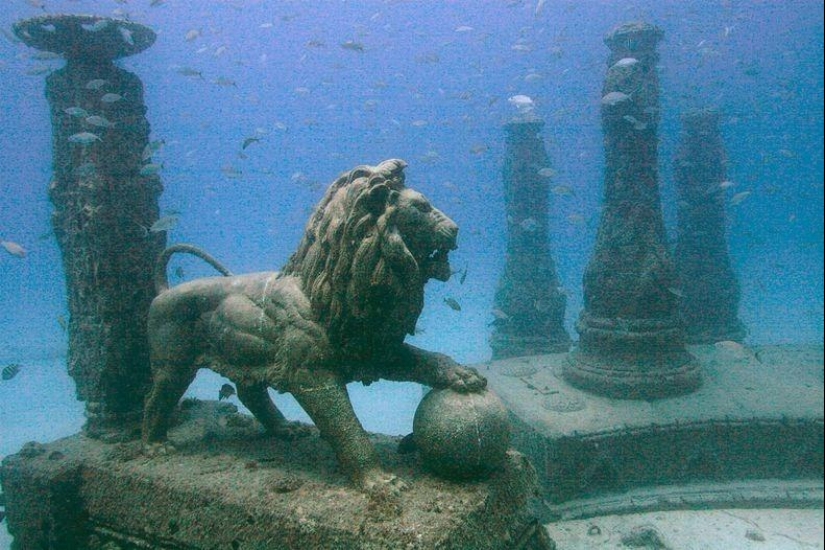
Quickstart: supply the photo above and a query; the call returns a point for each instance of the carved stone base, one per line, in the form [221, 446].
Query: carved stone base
[758, 416]
[636, 359]
[226, 486]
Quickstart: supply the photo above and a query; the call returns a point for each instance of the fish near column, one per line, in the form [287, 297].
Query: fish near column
[709, 298]
[529, 302]
[631, 343]
[104, 199]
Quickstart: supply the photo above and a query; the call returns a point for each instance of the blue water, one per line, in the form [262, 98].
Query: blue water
[431, 87]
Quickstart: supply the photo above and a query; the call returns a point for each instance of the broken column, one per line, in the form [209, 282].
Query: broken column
[631, 342]
[709, 303]
[105, 194]
[529, 303]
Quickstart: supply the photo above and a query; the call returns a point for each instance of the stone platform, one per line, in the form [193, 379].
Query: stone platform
[228, 487]
[758, 417]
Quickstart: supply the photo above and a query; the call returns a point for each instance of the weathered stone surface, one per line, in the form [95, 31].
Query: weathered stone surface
[631, 341]
[103, 207]
[709, 301]
[227, 487]
[759, 416]
[529, 300]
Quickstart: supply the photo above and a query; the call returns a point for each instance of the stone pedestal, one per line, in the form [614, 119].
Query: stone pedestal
[227, 487]
[710, 292]
[631, 341]
[105, 200]
[529, 302]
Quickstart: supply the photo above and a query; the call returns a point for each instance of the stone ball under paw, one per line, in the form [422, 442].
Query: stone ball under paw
[461, 435]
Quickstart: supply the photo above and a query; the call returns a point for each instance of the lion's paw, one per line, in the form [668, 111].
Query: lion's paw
[465, 379]
[161, 448]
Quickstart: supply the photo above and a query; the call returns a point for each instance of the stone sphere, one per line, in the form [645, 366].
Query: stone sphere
[461, 435]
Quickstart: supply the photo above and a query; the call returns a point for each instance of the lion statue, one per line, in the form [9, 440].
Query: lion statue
[338, 312]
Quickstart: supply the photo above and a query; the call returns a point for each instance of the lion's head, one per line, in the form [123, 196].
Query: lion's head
[369, 248]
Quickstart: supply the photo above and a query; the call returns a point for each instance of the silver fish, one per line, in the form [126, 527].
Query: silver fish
[164, 224]
[614, 98]
[99, 121]
[76, 112]
[13, 248]
[151, 169]
[110, 98]
[84, 138]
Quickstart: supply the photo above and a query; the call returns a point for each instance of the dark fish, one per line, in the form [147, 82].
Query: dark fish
[226, 392]
[10, 371]
[452, 304]
[463, 277]
[249, 141]
[353, 46]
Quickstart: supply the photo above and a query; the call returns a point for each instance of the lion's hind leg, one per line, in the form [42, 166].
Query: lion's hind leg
[169, 385]
[256, 398]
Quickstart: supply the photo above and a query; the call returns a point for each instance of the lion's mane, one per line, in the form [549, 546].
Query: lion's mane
[363, 283]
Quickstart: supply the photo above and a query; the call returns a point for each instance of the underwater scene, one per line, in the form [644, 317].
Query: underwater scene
[635, 183]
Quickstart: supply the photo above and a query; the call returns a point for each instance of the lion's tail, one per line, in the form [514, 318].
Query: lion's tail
[162, 282]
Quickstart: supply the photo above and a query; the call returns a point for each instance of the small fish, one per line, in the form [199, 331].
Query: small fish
[524, 104]
[97, 26]
[188, 71]
[151, 169]
[226, 391]
[478, 149]
[626, 62]
[614, 98]
[231, 172]
[99, 121]
[452, 304]
[529, 224]
[637, 124]
[96, 83]
[563, 191]
[192, 35]
[64, 325]
[126, 35]
[110, 98]
[726, 184]
[151, 148]
[249, 141]
[463, 277]
[223, 81]
[84, 138]
[739, 197]
[499, 315]
[353, 46]
[676, 291]
[14, 249]
[11, 370]
[164, 224]
[77, 112]
[547, 173]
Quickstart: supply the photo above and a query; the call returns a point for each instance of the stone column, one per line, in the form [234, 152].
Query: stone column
[710, 292]
[631, 341]
[529, 304]
[105, 197]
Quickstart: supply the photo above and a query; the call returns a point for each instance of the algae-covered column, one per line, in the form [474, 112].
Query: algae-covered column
[529, 304]
[105, 194]
[631, 341]
[710, 292]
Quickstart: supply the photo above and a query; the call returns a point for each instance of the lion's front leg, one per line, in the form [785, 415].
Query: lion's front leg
[325, 399]
[433, 369]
